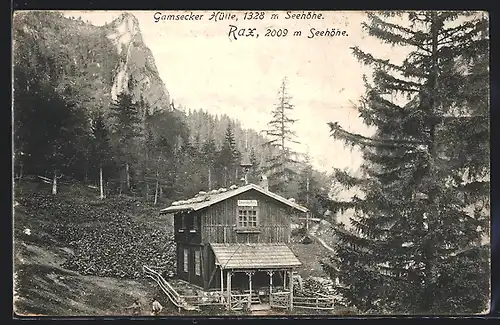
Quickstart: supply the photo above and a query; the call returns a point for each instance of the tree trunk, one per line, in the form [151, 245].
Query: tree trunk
[156, 191]
[127, 175]
[147, 191]
[54, 183]
[429, 251]
[282, 135]
[86, 176]
[209, 178]
[307, 204]
[101, 187]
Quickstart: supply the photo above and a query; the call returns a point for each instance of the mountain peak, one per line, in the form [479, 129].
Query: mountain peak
[125, 28]
[126, 18]
[136, 63]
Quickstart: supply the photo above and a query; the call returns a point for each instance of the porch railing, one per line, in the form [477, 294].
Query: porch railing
[279, 299]
[239, 302]
[228, 234]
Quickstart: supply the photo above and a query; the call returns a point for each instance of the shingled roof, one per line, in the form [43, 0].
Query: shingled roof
[203, 199]
[254, 256]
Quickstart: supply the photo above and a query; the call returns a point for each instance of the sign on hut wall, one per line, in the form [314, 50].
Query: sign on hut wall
[247, 203]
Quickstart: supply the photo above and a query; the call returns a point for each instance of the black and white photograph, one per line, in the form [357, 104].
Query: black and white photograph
[250, 163]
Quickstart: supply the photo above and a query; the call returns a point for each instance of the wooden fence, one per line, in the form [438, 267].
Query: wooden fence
[317, 303]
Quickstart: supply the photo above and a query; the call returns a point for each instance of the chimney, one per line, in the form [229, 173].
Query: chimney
[264, 183]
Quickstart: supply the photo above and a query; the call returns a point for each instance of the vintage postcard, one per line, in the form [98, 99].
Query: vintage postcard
[210, 163]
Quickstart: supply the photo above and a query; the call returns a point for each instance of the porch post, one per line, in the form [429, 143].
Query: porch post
[221, 284]
[290, 283]
[229, 274]
[270, 273]
[249, 274]
[284, 279]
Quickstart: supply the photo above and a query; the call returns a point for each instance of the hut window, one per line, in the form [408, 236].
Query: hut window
[182, 222]
[197, 262]
[186, 260]
[195, 223]
[248, 217]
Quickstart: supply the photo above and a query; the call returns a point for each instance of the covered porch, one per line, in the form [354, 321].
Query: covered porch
[255, 276]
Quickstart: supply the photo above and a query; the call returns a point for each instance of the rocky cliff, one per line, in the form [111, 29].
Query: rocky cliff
[101, 61]
[136, 63]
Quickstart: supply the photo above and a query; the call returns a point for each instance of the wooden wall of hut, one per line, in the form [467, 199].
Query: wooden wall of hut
[219, 221]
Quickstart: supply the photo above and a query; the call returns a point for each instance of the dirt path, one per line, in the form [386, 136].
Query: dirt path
[325, 245]
[312, 233]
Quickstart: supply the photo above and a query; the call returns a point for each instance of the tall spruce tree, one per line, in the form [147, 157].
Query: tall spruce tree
[209, 152]
[229, 156]
[280, 134]
[415, 245]
[100, 149]
[309, 189]
[254, 172]
[125, 130]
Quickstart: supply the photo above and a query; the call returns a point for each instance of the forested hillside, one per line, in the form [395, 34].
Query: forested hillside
[89, 107]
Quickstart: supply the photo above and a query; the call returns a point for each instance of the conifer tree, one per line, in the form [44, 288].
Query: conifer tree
[308, 189]
[190, 177]
[229, 158]
[126, 123]
[209, 151]
[253, 174]
[415, 241]
[149, 160]
[100, 147]
[281, 135]
[168, 129]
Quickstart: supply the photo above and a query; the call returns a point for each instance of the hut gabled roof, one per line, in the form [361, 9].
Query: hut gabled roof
[206, 199]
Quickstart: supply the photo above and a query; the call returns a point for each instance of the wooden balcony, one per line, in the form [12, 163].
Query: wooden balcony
[232, 234]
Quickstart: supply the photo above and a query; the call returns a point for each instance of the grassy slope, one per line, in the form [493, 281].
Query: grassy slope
[310, 255]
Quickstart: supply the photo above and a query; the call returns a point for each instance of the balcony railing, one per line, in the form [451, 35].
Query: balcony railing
[229, 234]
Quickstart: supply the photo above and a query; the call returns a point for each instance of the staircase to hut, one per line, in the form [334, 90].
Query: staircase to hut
[169, 291]
[255, 298]
[256, 304]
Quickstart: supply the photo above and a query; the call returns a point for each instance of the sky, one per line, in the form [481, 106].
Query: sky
[204, 68]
